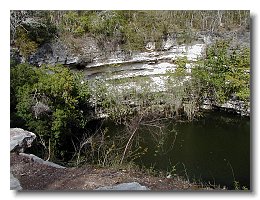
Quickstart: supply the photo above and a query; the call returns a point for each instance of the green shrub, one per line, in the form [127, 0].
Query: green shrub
[225, 72]
[25, 44]
[52, 101]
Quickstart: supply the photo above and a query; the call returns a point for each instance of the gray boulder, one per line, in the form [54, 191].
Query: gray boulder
[20, 139]
[14, 183]
[125, 187]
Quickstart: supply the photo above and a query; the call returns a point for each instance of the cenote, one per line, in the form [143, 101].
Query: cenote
[212, 150]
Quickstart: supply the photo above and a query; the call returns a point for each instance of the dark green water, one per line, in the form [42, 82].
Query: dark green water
[214, 149]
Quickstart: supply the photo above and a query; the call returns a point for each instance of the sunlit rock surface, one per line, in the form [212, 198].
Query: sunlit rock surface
[125, 186]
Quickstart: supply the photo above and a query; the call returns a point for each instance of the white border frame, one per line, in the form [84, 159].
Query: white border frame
[123, 5]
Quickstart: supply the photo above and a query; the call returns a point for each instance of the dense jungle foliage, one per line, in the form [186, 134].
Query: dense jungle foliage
[57, 104]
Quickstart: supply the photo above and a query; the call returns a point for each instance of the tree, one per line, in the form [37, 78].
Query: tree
[52, 101]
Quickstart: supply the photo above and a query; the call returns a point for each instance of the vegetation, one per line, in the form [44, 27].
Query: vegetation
[57, 104]
[131, 29]
[30, 29]
[52, 102]
[225, 72]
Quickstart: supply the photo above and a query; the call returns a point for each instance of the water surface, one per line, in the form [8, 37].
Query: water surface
[214, 149]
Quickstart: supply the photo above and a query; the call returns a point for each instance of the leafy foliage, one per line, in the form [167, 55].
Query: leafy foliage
[25, 44]
[63, 94]
[225, 72]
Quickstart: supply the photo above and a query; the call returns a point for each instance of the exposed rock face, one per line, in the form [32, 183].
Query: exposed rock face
[20, 139]
[235, 106]
[240, 107]
[125, 186]
[53, 53]
[74, 52]
[85, 52]
[153, 63]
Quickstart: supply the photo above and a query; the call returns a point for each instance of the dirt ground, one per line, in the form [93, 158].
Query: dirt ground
[35, 176]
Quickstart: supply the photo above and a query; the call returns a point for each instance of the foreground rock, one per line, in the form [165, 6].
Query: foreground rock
[124, 186]
[14, 183]
[20, 139]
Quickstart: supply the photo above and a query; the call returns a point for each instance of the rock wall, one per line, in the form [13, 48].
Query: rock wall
[103, 63]
[87, 52]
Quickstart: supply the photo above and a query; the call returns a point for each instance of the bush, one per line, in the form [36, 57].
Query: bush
[25, 44]
[225, 72]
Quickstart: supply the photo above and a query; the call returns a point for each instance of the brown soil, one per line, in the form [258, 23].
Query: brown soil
[35, 176]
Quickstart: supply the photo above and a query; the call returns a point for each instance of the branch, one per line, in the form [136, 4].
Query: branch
[130, 139]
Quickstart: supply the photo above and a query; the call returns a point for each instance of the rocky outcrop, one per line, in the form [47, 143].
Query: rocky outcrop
[20, 139]
[73, 52]
[240, 107]
[233, 106]
[114, 63]
[87, 52]
[124, 186]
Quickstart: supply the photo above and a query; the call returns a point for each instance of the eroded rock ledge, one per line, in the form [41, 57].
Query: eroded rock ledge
[233, 106]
